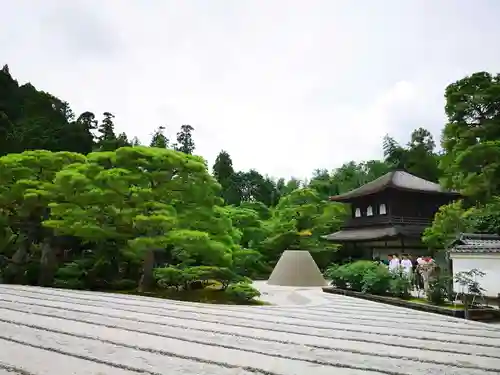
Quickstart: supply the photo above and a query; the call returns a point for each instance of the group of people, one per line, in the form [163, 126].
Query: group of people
[408, 265]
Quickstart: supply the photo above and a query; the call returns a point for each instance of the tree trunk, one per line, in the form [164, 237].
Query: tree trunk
[19, 259]
[147, 278]
[48, 265]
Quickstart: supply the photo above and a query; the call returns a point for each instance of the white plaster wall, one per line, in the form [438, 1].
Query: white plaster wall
[487, 263]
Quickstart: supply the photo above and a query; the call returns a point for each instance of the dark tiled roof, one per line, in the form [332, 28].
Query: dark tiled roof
[398, 180]
[375, 233]
[475, 243]
[475, 249]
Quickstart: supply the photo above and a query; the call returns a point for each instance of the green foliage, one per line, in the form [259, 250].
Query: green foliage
[249, 263]
[337, 275]
[377, 280]
[159, 139]
[368, 277]
[470, 138]
[400, 286]
[468, 281]
[107, 219]
[454, 218]
[439, 289]
[356, 271]
[418, 157]
[450, 220]
[185, 278]
[242, 291]
[298, 222]
[170, 277]
[185, 141]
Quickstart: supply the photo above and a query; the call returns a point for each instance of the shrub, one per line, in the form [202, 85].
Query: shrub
[355, 272]
[195, 277]
[242, 292]
[362, 276]
[439, 290]
[169, 277]
[225, 276]
[248, 262]
[399, 286]
[337, 275]
[377, 280]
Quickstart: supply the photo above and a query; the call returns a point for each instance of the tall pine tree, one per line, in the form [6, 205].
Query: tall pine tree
[185, 142]
[159, 138]
[224, 173]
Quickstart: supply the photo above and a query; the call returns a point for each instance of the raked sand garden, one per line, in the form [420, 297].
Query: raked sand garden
[303, 332]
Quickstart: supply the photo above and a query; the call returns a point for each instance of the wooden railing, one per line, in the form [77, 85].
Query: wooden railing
[386, 220]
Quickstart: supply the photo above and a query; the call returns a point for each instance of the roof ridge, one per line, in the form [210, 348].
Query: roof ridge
[397, 179]
[479, 236]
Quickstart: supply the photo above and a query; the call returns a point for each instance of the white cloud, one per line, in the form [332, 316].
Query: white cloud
[284, 86]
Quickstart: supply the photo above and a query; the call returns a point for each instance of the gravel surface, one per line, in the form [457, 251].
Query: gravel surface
[306, 331]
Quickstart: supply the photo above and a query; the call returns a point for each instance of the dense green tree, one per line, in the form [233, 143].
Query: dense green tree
[107, 139]
[185, 142]
[262, 210]
[471, 160]
[284, 187]
[83, 134]
[298, 222]
[25, 194]
[322, 183]
[159, 138]
[249, 223]
[418, 157]
[125, 190]
[456, 218]
[32, 119]
[224, 173]
[347, 177]
[255, 187]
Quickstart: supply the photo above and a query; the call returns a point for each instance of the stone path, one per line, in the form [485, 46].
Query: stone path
[50, 331]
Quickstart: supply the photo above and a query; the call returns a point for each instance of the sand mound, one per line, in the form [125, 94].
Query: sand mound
[296, 268]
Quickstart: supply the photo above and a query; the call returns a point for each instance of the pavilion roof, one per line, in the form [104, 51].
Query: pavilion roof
[400, 180]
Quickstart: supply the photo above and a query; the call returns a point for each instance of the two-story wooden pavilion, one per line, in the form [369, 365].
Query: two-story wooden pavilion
[389, 214]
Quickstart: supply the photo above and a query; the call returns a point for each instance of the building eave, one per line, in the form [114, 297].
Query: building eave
[398, 180]
[374, 233]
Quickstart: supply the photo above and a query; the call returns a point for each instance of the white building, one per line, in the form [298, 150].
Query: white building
[478, 251]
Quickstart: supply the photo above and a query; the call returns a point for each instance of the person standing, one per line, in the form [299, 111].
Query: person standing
[407, 266]
[394, 263]
[417, 279]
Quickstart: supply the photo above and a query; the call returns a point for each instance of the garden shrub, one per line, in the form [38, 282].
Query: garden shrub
[369, 277]
[226, 276]
[377, 280]
[197, 277]
[248, 263]
[439, 290]
[399, 286]
[242, 292]
[169, 277]
[356, 271]
[337, 275]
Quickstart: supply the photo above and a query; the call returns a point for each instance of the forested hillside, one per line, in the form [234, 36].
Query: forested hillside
[84, 207]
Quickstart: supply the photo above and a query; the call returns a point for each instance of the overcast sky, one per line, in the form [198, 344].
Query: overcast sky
[284, 86]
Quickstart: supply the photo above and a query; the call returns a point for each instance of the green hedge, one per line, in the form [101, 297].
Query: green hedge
[369, 277]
